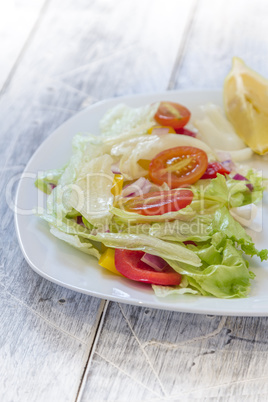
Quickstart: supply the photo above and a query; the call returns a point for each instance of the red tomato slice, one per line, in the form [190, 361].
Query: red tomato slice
[172, 114]
[178, 166]
[214, 168]
[185, 131]
[129, 264]
[160, 202]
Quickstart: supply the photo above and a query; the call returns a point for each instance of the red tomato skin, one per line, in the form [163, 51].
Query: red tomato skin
[129, 264]
[185, 131]
[160, 202]
[165, 118]
[214, 168]
[158, 164]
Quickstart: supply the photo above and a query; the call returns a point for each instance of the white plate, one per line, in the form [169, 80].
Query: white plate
[64, 265]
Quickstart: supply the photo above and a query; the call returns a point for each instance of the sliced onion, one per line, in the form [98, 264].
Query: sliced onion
[241, 154]
[223, 155]
[79, 220]
[228, 164]
[186, 131]
[238, 176]
[237, 156]
[115, 168]
[139, 187]
[155, 262]
[160, 130]
[52, 186]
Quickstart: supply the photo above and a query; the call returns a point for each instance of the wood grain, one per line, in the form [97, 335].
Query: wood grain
[221, 30]
[17, 22]
[180, 357]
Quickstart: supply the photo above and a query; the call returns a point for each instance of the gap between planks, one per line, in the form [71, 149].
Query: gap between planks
[182, 47]
[104, 306]
[93, 341]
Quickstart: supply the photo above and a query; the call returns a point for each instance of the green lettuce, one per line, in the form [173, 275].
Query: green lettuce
[227, 227]
[224, 272]
[181, 289]
[125, 217]
[148, 244]
[45, 179]
[76, 241]
[229, 192]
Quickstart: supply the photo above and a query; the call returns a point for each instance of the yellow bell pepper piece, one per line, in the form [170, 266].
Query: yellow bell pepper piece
[151, 129]
[144, 163]
[107, 261]
[117, 184]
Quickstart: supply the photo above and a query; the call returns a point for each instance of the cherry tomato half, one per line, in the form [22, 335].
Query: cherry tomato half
[129, 264]
[178, 166]
[214, 168]
[172, 114]
[160, 202]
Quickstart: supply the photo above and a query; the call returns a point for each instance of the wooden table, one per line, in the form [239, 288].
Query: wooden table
[58, 57]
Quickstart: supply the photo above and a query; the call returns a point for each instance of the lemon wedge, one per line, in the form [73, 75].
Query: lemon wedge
[246, 105]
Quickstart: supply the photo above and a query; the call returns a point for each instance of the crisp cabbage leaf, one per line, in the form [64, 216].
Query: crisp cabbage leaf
[45, 179]
[85, 147]
[76, 241]
[197, 230]
[123, 216]
[148, 244]
[91, 193]
[122, 119]
[181, 289]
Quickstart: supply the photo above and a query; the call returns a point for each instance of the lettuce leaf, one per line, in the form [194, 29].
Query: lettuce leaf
[148, 244]
[197, 230]
[45, 179]
[181, 289]
[76, 241]
[125, 217]
[85, 147]
[229, 192]
[224, 272]
[91, 193]
[122, 119]
[228, 227]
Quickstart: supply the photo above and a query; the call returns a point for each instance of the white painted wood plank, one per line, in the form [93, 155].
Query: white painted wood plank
[223, 29]
[39, 362]
[179, 356]
[17, 19]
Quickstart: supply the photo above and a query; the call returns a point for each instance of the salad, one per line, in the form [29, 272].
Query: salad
[160, 201]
